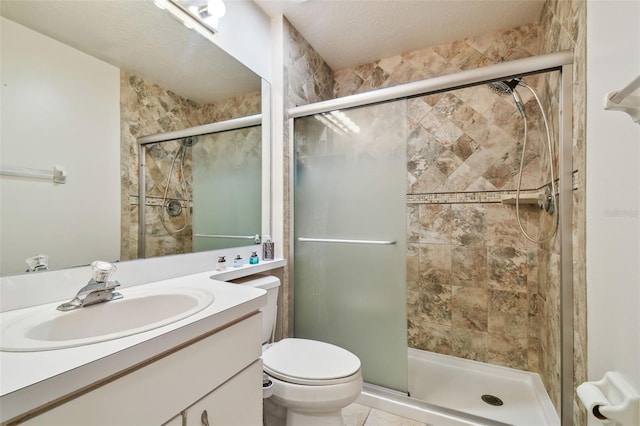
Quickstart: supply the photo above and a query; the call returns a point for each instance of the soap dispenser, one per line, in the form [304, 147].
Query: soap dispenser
[254, 259]
[222, 263]
[267, 248]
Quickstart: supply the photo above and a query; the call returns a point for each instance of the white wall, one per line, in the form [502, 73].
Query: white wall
[278, 157]
[59, 106]
[613, 193]
[245, 33]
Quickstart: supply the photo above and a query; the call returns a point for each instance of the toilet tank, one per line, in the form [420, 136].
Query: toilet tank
[270, 284]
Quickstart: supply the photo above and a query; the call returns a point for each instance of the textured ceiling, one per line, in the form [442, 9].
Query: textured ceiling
[353, 32]
[137, 36]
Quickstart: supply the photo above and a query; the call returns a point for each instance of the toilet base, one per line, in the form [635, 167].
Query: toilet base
[277, 415]
[326, 419]
[274, 414]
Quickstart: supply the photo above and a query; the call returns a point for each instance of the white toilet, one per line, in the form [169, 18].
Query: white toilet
[312, 381]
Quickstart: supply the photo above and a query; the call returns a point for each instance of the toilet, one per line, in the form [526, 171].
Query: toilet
[312, 381]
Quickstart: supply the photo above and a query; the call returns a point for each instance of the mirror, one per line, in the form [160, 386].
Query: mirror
[190, 180]
[80, 82]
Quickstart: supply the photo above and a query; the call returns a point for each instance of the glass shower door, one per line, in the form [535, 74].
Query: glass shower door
[350, 236]
[227, 189]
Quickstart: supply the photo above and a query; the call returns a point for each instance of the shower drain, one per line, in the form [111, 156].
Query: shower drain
[492, 400]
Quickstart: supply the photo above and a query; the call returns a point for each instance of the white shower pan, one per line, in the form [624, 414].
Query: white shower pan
[460, 384]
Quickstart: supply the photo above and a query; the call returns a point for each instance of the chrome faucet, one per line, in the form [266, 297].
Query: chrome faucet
[98, 290]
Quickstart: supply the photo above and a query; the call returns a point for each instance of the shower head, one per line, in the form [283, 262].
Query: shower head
[505, 87]
[185, 143]
[190, 141]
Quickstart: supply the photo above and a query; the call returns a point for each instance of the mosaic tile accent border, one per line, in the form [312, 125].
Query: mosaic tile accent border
[465, 197]
[157, 201]
[481, 197]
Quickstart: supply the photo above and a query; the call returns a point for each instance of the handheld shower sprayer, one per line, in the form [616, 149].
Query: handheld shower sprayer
[174, 207]
[505, 87]
[508, 87]
[185, 143]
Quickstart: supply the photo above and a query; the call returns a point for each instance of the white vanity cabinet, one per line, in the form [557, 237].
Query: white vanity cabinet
[220, 374]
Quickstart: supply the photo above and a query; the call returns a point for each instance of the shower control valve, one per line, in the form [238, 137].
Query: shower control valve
[546, 201]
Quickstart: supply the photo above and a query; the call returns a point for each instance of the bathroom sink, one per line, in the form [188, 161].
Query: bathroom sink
[45, 328]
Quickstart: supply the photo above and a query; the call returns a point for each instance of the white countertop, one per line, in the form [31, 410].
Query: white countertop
[32, 379]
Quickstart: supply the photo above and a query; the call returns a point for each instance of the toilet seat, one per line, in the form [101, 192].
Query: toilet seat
[309, 362]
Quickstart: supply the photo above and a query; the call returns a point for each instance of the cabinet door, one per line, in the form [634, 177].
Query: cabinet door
[238, 402]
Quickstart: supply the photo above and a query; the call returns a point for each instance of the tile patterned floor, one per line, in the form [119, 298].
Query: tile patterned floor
[360, 415]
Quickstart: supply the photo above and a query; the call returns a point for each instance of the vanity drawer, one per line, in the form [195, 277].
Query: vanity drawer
[157, 392]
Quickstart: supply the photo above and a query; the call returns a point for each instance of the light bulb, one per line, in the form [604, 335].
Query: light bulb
[216, 8]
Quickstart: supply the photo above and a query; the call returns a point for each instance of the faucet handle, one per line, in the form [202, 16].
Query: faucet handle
[102, 270]
[105, 294]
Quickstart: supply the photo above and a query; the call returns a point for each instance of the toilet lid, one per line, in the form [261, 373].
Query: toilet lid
[308, 361]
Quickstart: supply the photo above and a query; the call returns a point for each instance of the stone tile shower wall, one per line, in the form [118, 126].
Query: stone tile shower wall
[435, 61]
[563, 27]
[547, 301]
[472, 282]
[166, 234]
[147, 109]
[473, 279]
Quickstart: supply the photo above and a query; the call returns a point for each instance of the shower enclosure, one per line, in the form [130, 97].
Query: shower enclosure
[408, 204]
[201, 188]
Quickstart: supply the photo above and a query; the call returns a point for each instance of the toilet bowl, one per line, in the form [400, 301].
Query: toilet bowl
[312, 381]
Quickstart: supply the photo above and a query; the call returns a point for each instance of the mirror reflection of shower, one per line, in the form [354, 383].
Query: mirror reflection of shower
[546, 201]
[174, 207]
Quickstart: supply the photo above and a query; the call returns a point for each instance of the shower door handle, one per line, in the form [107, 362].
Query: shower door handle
[255, 238]
[341, 241]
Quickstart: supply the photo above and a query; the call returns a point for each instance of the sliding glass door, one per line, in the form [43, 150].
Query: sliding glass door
[227, 189]
[350, 236]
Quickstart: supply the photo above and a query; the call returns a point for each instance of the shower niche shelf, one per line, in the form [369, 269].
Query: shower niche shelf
[626, 99]
[524, 199]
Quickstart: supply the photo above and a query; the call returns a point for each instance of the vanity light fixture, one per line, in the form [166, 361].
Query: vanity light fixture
[201, 16]
[209, 14]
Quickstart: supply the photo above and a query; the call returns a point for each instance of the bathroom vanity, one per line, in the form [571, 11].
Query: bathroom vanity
[202, 369]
